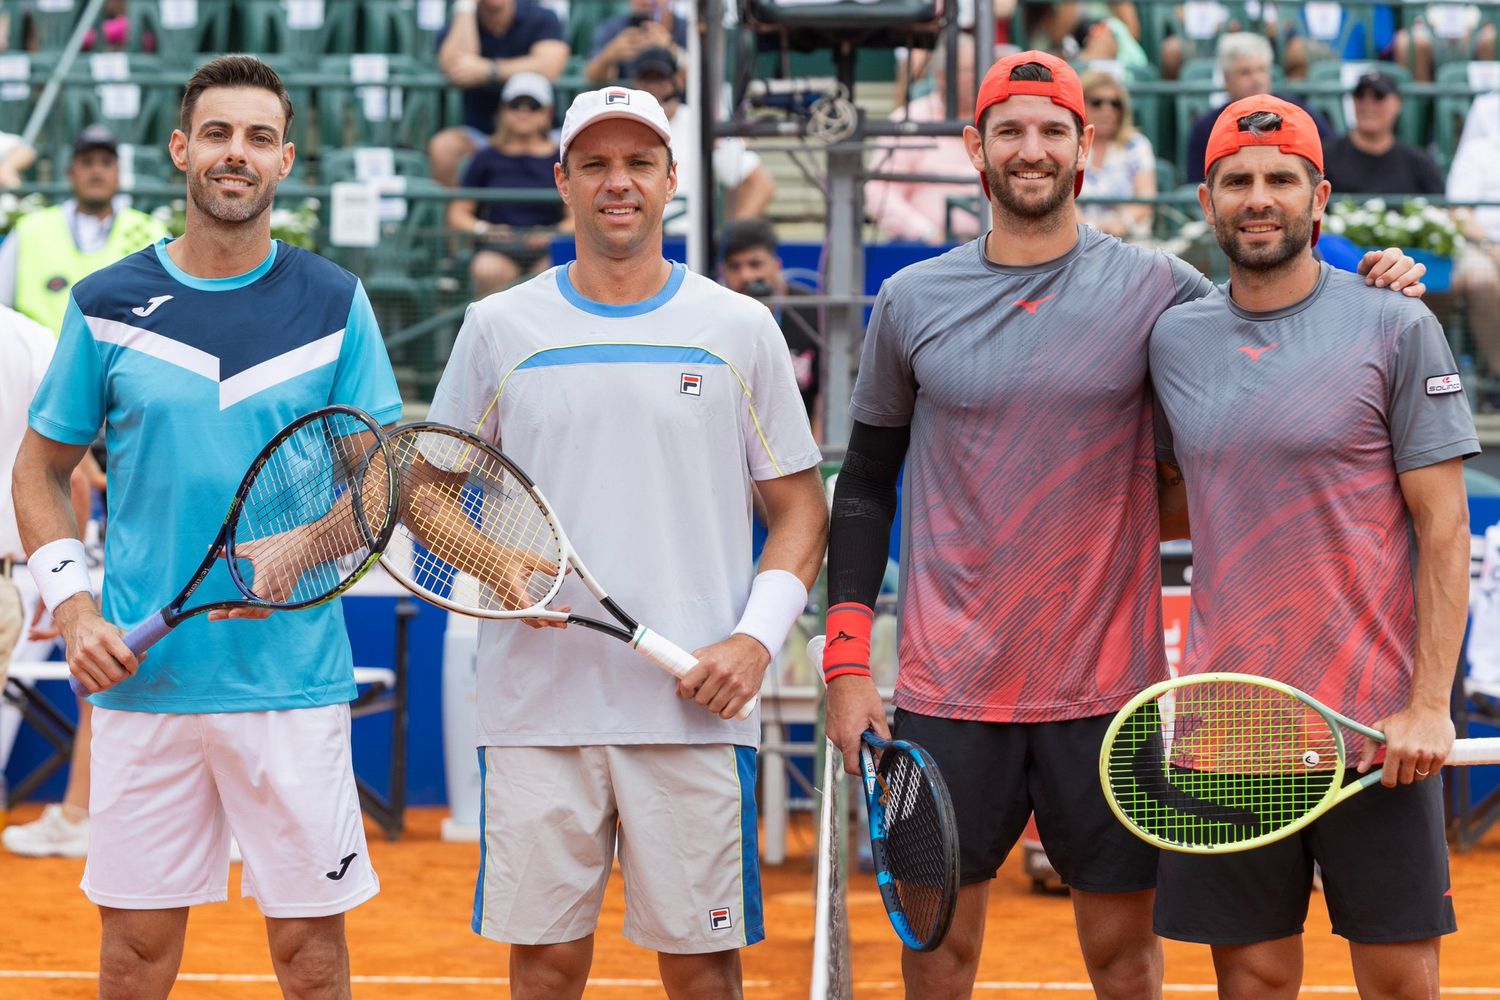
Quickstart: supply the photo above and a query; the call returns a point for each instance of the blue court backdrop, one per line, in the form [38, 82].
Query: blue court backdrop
[372, 620]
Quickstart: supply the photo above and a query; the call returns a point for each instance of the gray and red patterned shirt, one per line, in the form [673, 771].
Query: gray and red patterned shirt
[1030, 585]
[1291, 428]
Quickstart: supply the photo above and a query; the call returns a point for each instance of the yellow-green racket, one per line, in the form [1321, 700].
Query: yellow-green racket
[1219, 762]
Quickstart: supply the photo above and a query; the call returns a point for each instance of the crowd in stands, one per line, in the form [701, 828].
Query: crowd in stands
[504, 71]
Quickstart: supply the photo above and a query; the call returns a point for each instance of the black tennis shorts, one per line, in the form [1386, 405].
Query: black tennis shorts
[1384, 858]
[999, 773]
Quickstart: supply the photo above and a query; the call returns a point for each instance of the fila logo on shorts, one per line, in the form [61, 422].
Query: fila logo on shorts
[616, 97]
[719, 919]
[691, 385]
[1439, 385]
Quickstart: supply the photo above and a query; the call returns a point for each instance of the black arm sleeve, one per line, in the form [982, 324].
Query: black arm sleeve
[864, 507]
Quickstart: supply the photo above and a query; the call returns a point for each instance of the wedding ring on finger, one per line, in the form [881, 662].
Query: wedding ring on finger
[1421, 773]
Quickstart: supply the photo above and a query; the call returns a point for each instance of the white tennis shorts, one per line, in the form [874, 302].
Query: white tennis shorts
[682, 819]
[168, 790]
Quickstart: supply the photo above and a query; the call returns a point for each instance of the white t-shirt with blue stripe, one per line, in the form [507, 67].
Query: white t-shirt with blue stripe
[643, 425]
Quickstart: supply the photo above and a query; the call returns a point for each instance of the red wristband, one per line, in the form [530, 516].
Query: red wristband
[848, 648]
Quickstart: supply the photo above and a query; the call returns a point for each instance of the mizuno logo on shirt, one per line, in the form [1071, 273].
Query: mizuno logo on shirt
[1030, 305]
[1439, 385]
[1254, 353]
[841, 637]
[150, 306]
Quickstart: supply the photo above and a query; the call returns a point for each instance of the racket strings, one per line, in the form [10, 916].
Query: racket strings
[1219, 764]
[469, 528]
[919, 855]
[313, 512]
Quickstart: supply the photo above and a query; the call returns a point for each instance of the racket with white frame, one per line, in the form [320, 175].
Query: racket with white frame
[1221, 762]
[476, 536]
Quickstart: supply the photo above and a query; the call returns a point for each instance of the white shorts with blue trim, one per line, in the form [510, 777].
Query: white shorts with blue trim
[168, 790]
[681, 819]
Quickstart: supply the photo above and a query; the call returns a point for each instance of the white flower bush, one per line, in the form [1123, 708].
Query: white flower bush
[1413, 225]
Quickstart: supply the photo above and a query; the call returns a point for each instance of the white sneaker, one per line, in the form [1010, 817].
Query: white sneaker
[52, 836]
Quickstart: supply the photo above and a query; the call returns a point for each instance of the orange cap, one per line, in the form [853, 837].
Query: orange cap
[1065, 89]
[1297, 135]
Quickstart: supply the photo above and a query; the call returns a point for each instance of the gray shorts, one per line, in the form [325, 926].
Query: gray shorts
[681, 820]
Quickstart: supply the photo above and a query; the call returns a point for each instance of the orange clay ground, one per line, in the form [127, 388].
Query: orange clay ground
[413, 940]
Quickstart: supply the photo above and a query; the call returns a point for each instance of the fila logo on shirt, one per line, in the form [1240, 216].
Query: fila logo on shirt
[719, 919]
[691, 384]
[150, 306]
[616, 97]
[1441, 385]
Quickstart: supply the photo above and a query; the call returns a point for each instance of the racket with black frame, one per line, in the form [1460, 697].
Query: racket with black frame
[476, 536]
[309, 519]
[913, 833]
[1221, 762]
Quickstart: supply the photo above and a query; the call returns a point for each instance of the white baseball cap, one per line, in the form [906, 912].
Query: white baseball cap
[593, 106]
[532, 85]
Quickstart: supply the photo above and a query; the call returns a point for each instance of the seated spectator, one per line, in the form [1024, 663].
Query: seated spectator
[1443, 32]
[1475, 176]
[748, 183]
[751, 267]
[1122, 164]
[482, 46]
[918, 211]
[619, 40]
[1245, 61]
[512, 239]
[116, 31]
[16, 155]
[1085, 32]
[1370, 159]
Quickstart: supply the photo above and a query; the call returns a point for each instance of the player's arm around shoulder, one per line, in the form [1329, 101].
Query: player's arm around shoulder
[41, 485]
[730, 672]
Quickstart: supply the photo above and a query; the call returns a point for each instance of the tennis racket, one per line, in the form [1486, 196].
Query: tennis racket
[308, 519]
[476, 536]
[913, 833]
[1220, 762]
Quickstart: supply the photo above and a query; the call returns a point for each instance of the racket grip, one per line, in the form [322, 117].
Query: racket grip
[146, 634]
[676, 661]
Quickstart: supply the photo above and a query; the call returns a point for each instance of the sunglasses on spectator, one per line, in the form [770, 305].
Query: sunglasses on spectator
[1107, 102]
[523, 104]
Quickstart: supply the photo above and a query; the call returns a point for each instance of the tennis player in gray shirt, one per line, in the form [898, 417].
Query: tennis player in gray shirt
[1320, 429]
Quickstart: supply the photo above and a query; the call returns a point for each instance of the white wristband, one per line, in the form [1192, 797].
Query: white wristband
[777, 600]
[60, 570]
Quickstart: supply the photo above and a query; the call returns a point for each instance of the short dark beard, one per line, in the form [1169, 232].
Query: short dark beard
[1296, 236]
[201, 190]
[99, 208]
[1001, 192]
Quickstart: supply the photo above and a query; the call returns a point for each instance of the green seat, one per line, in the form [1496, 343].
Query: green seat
[390, 26]
[351, 163]
[1338, 106]
[19, 75]
[1450, 111]
[584, 18]
[179, 43]
[49, 23]
[405, 110]
[140, 113]
[268, 27]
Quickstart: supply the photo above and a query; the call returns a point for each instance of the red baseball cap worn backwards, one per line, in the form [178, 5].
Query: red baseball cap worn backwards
[1297, 134]
[1065, 90]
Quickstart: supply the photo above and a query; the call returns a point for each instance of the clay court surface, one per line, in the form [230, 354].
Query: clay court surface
[413, 941]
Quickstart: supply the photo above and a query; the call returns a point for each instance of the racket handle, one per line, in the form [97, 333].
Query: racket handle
[1475, 751]
[675, 660]
[146, 634]
[139, 639]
